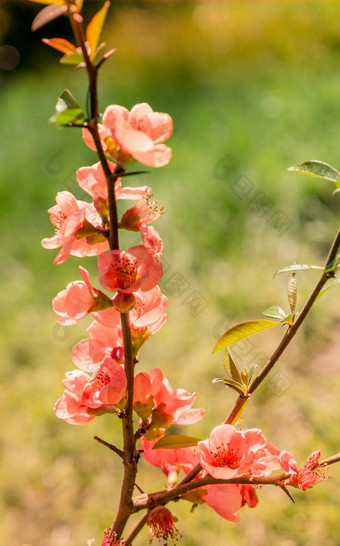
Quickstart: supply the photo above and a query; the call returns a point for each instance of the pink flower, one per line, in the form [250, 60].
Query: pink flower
[79, 298]
[78, 228]
[159, 406]
[229, 453]
[138, 135]
[169, 460]
[84, 394]
[161, 523]
[92, 180]
[308, 475]
[70, 406]
[138, 268]
[149, 311]
[105, 342]
[144, 212]
[107, 386]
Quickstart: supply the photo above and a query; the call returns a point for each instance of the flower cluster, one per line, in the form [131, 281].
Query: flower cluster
[134, 300]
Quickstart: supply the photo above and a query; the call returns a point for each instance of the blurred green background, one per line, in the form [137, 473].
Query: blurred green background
[253, 87]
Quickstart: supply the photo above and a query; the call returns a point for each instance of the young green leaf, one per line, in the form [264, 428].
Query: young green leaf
[332, 283]
[275, 311]
[230, 366]
[95, 27]
[176, 441]
[317, 168]
[245, 380]
[238, 387]
[68, 110]
[297, 267]
[73, 57]
[242, 330]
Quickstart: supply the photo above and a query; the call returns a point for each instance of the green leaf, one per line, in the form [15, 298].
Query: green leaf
[95, 27]
[328, 286]
[297, 267]
[241, 331]
[230, 367]
[74, 57]
[176, 441]
[68, 111]
[317, 168]
[238, 387]
[275, 311]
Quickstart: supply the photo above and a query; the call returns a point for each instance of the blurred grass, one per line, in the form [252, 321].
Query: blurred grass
[253, 88]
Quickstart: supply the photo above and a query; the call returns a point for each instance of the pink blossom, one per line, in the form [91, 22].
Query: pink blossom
[138, 268]
[149, 311]
[70, 406]
[107, 386]
[308, 475]
[169, 460]
[136, 135]
[83, 393]
[93, 181]
[144, 212]
[229, 453]
[79, 298]
[161, 523]
[226, 499]
[105, 342]
[78, 228]
[159, 406]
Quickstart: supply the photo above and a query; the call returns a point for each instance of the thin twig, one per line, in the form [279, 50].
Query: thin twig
[136, 530]
[110, 446]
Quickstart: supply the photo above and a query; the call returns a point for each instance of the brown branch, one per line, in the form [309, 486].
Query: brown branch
[142, 502]
[110, 446]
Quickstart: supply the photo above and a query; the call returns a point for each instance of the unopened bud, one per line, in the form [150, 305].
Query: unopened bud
[123, 302]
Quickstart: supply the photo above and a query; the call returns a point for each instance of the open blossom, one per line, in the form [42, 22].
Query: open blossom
[83, 393]
[78, 228]
[230, 452]
[141, 214]
[70, 406]
[111, 540]
[92, 180]
[136, 135]
[159, 406]
[225, 499]
[78, 299]
[308, 475]
[138, 268]
[105, 342]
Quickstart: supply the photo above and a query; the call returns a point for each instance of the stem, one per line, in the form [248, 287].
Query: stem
[109, 446]
[126, 507]
[129, 454]
[242, 400]
[163, 497]
[289, 334]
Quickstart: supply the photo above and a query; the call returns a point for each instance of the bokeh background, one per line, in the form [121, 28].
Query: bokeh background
[253, 88]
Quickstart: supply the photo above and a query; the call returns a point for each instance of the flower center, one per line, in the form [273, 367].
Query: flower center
[226, 457]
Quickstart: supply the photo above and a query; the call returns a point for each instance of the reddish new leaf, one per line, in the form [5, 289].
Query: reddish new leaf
[60, 44]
